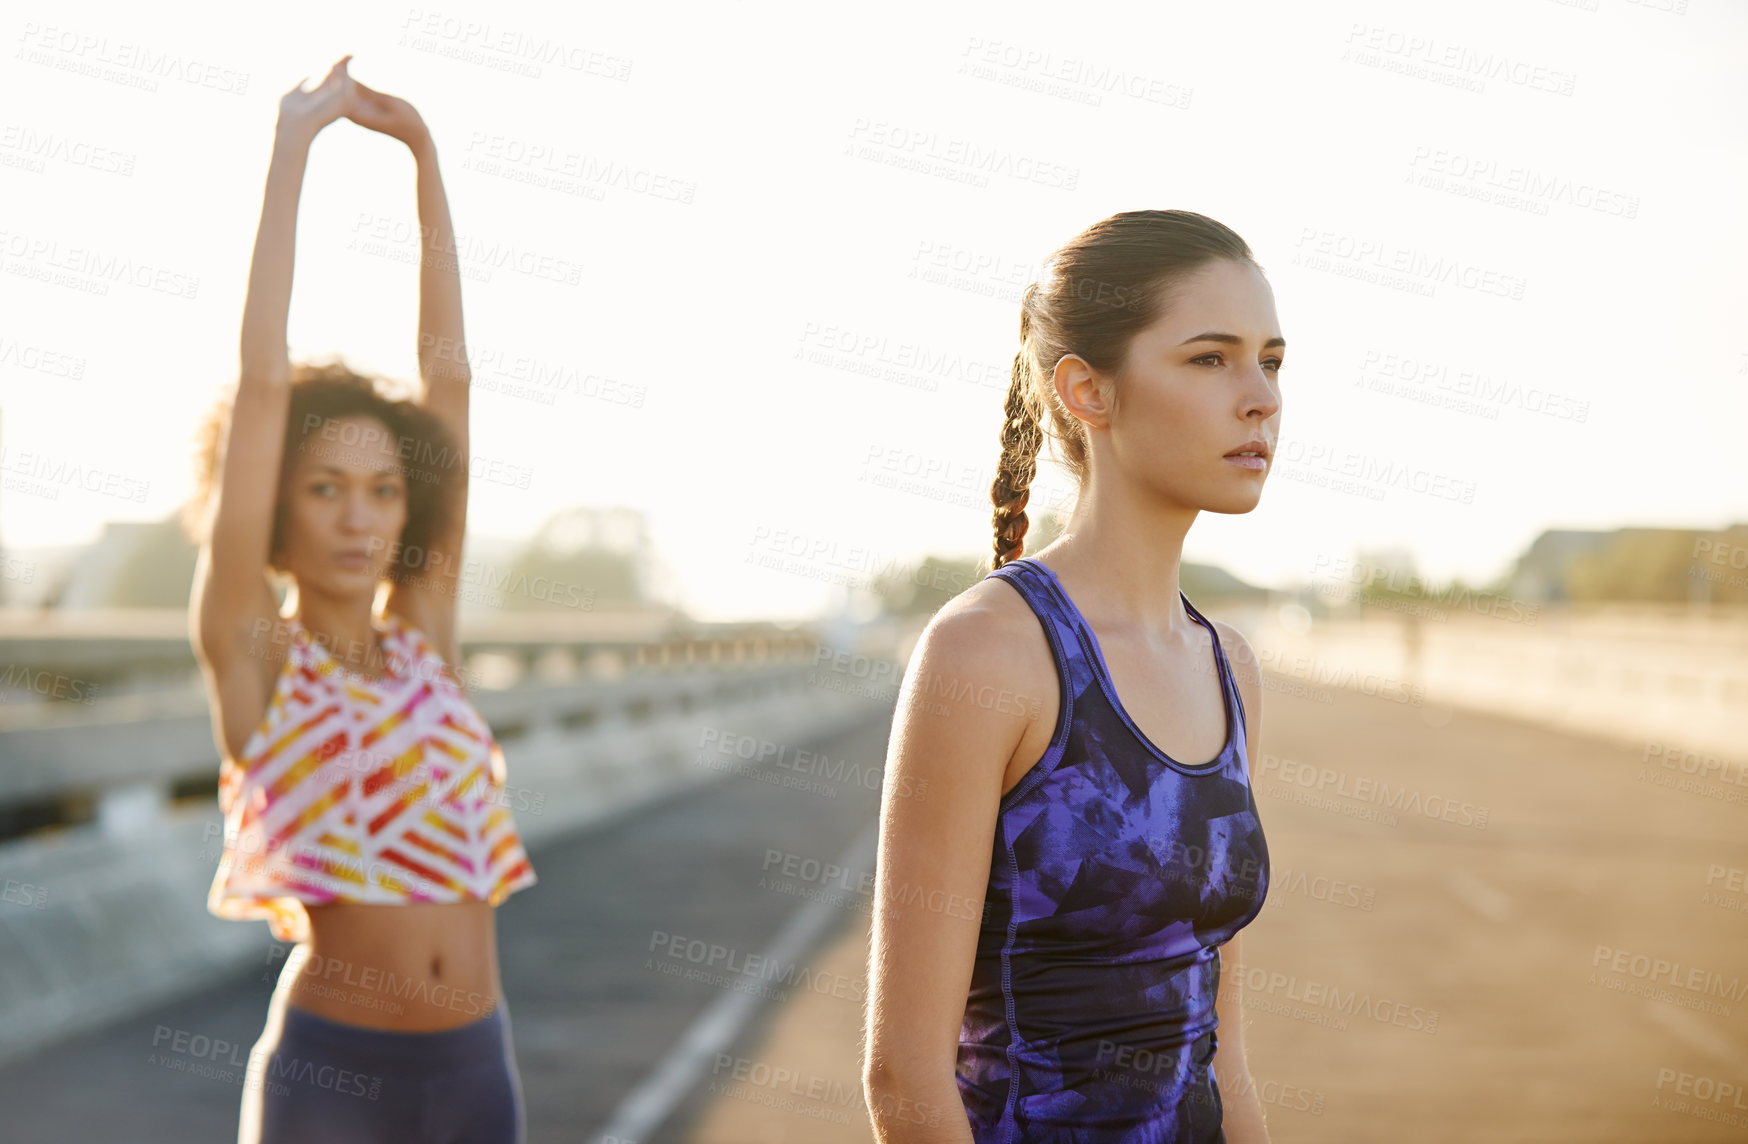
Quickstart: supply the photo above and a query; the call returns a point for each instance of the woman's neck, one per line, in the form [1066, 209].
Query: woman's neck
[347, 629]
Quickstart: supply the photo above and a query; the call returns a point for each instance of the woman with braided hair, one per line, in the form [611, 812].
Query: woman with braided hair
[1052, 920]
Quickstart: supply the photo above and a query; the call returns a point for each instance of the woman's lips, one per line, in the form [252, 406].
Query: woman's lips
[1257, 463]
[354, 561]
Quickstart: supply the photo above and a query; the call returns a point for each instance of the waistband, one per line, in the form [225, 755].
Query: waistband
[482, 1040]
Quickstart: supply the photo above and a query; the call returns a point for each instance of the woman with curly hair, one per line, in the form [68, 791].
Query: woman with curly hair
[362, 792]
[1056, 925]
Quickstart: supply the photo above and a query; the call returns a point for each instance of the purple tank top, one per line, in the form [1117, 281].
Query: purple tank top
[1116, 873]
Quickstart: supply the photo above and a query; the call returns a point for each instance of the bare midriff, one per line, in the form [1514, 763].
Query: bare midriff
[409, 968]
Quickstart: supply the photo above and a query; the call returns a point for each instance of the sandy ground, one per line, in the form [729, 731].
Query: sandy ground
[1430, 978]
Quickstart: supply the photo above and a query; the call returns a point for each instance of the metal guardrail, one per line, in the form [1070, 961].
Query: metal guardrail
[139, 722]
[166, 737]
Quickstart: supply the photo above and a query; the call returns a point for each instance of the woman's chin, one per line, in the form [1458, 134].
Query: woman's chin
[1237, 502]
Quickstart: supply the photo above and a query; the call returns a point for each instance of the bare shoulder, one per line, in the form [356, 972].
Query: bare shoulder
[1239, 654]
[433, 618]
[984, 644]
[1246, 676]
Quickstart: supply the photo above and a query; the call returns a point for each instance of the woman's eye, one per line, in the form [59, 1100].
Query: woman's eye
[1273, 363]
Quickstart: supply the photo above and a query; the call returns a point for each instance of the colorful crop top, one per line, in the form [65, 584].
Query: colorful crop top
[386, 790]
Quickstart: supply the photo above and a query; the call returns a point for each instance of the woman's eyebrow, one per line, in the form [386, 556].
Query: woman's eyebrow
[1232, 340]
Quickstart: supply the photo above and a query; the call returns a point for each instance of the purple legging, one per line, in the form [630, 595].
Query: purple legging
[322, 1080]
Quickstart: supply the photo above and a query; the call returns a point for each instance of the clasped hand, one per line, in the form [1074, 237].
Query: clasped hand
[307, 112]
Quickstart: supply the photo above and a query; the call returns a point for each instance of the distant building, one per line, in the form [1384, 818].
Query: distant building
[582, 558]
[1541, 571]
[131, 564]
[1670, 565]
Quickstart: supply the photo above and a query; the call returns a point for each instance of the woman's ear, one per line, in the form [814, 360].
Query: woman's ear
[1083, 392]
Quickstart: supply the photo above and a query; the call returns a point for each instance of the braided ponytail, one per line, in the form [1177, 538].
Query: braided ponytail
[1020, 440]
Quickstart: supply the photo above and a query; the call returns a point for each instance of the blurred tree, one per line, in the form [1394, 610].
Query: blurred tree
[1667, 564]
[580, 559]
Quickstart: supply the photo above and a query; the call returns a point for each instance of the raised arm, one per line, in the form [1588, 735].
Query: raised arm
[945, 767]
[430, 602]
[230, 587]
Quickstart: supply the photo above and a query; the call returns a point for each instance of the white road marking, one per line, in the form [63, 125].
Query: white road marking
[653, 1101]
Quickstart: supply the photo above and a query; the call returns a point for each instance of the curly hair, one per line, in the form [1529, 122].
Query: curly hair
[1103, 286]
[321, 393]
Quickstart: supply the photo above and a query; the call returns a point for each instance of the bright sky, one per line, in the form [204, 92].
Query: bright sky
[1505, 238]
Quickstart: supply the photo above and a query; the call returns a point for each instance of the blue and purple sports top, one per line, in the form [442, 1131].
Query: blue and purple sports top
[1116, 874]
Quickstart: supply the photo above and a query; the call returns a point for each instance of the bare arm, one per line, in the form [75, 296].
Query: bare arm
[444, 373]
[943, 785]
[230, 589]
[443, 363]
[1242, 1114]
